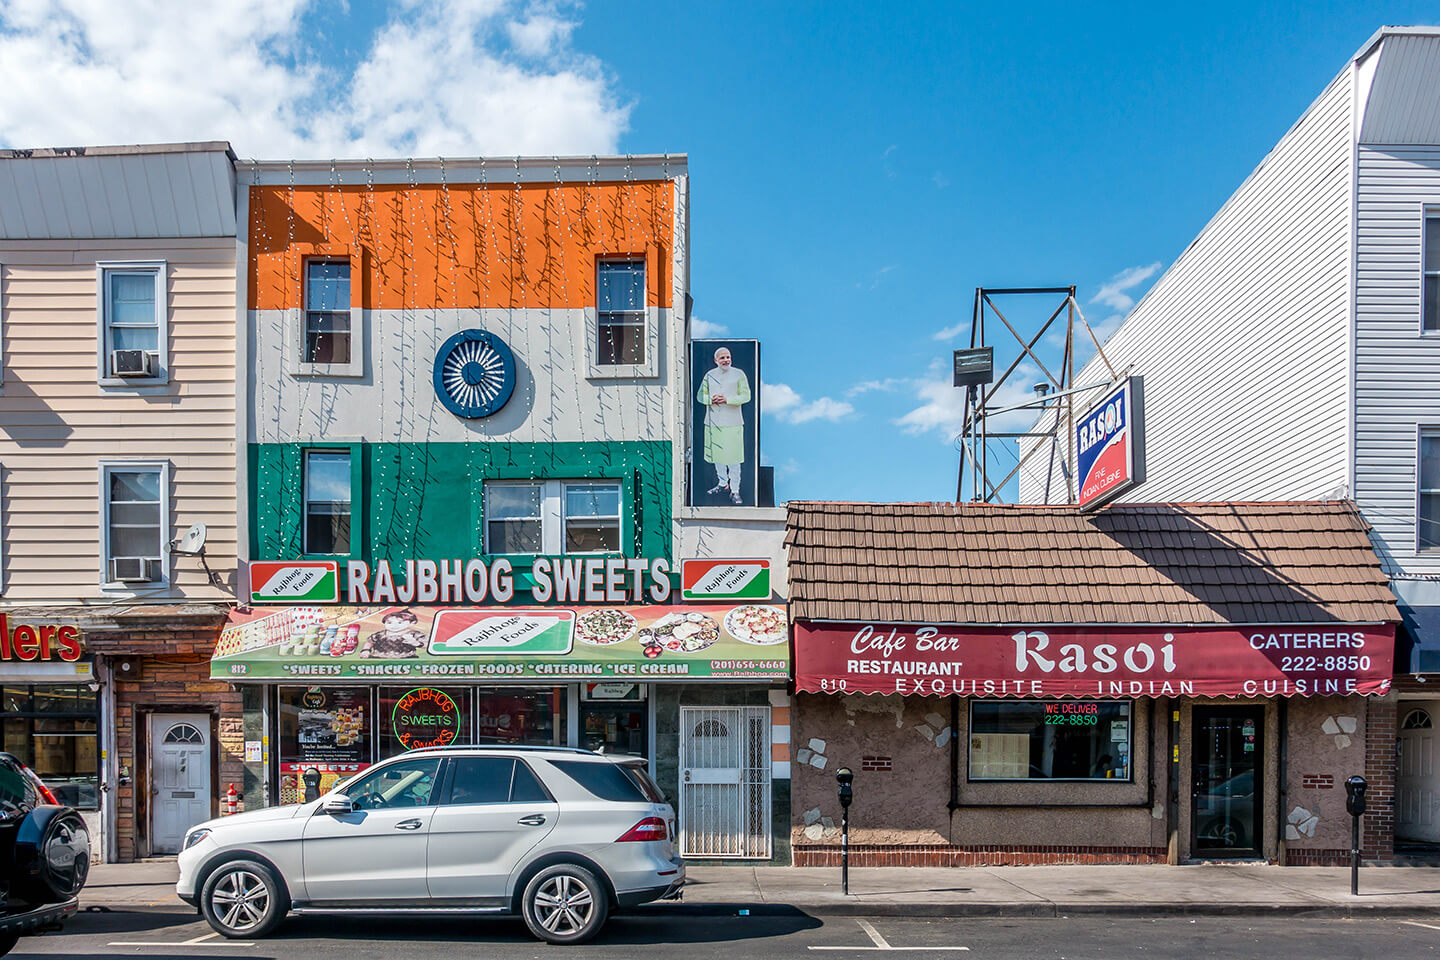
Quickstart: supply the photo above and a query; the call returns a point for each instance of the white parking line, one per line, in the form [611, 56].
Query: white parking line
[205, 940]
[880, 942]
[1417, 923]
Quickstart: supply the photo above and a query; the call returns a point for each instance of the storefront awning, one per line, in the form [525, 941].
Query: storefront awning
[693, 642]
[1093, 661]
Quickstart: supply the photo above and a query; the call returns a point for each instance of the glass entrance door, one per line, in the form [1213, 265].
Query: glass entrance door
[1227, 747]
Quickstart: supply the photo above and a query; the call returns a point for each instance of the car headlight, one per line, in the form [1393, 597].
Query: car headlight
[195, 836]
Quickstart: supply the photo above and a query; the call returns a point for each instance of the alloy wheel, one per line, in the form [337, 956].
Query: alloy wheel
[564, 905]
[240, 900]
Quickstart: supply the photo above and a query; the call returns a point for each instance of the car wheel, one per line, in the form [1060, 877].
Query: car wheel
[243, 898]
[7, 942]
[565, 904]
[51, 856]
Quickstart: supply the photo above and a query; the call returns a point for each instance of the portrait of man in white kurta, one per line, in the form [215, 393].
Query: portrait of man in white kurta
[724, 391]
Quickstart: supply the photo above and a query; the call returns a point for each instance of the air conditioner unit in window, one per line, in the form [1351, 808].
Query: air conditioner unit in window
[133, 569]
[132, 363]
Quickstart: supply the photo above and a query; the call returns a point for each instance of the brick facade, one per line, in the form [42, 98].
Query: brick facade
[1377, 826]
[944, 855]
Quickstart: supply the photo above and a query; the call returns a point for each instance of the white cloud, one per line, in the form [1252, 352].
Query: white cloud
[1112, 292]
[781, 401]
[700, 329]
[943, 406]
[940, 180]
[876, 277]
[886, 385]
[951, 332]
[455, 77]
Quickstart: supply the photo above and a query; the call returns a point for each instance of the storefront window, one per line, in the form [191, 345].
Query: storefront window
[413, 717]
[528, 715]
[54, 730]
[325, 732]
[613, 718]
[1050, 740]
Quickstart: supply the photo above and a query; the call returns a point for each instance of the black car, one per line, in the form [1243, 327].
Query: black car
[44, 855]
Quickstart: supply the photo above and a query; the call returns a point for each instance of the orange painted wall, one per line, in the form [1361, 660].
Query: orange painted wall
[499, 246]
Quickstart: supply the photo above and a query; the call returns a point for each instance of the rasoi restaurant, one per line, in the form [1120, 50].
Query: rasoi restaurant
[1144, 683]
[333, 688]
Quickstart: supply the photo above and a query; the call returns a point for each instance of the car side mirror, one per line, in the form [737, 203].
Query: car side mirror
[337, 805]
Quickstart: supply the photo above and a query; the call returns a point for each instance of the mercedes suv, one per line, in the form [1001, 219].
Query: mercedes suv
[561, 837]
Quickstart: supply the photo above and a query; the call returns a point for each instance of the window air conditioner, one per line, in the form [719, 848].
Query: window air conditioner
[132, 569]
[132, 363]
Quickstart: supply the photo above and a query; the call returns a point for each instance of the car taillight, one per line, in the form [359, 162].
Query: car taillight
[651, 828]
[45, 792]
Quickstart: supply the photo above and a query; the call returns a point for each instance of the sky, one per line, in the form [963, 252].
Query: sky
[857, 169]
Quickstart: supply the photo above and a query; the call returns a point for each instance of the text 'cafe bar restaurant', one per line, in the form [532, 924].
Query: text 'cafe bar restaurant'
[685, 680]
[1145, 683]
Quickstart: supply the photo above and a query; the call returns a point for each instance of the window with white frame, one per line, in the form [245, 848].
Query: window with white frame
[132, 323]
[327, 312]
[552, 517]
[1427, 519]
[327, 502]
[135, 522]
[1430, 294]
[620, 307]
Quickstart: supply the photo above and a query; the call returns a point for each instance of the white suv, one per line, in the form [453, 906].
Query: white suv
[559, 836]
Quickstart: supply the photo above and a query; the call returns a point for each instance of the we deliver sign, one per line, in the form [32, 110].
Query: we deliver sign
[725, 579]
[313, 581]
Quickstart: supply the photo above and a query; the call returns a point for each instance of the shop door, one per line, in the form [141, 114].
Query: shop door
[179, 777]
[725, 782]
[1417, 787]
[1226, 777]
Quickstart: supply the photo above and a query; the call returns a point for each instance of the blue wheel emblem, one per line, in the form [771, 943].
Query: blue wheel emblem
[474, 374]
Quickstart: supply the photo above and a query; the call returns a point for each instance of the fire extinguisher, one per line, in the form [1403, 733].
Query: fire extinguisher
[232, 801]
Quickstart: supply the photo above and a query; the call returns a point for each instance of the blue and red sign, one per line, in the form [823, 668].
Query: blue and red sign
[1105, 439]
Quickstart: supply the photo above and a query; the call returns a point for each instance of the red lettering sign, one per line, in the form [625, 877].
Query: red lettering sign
[30, 643]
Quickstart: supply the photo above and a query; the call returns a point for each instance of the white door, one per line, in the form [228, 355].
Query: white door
[1417, 782]
[179, 777]
[725, 782]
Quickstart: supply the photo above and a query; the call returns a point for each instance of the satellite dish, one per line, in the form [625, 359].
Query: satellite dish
[192, 542]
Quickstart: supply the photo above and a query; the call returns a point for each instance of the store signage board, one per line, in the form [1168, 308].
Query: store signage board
[497, 644]
[1107, 440]
[303, 581]
[714, 580]
[425, 717]
[28, 643]
[1070, 661]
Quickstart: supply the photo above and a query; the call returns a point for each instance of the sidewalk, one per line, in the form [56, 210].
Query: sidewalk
[1049, 891]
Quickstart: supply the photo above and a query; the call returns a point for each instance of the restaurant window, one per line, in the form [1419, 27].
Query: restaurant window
[325, 729]
[620, 306]
[534, 716]
[552, 517]
[1050, 740]
[417, 716]
[54, 730]
[327, 502]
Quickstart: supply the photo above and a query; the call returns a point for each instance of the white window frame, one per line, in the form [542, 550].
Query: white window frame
[160, 270]
[591, 319]
[552, 516]
[355, 366]
[1421, 432]
[1427, 214]
[305, 501]
[163, 468]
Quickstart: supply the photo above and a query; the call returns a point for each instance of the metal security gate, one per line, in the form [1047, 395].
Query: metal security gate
[725, 782]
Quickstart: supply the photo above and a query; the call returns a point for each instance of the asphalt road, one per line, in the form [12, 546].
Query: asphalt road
[732, 938]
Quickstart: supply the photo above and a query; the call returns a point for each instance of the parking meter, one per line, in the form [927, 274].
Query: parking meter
[845, 777]
[1355, 806]
[1355, 796]
[311, 777]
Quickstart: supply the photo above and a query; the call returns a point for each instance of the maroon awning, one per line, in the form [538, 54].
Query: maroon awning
[1095, 661]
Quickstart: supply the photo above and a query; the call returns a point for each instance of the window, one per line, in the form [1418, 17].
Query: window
[1049, 740]
[494, 780]
[528, 715]
[1427, 523]
[1430, 292]
[325, 729]
[327, 502]
[550, 517]
[54, 730]
[136, 520]
[327, 312]
[604, 779]
[408, 783]
[620, 306]
[132, 323]
[414, 717]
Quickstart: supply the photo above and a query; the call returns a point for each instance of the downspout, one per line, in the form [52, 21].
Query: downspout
[954, 803]
[1281, 789]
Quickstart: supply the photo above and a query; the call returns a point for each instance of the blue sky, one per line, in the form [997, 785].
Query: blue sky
[857, 169]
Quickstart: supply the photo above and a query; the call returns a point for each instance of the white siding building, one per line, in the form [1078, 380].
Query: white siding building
[1293, 350]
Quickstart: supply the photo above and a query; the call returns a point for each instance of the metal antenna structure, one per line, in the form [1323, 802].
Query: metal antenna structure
[986, 449]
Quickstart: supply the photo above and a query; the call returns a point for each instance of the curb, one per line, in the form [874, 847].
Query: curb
[1037, 910]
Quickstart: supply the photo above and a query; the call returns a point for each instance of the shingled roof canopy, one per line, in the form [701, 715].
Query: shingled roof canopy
[1130, 563]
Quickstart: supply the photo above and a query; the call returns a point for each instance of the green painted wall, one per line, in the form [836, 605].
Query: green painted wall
[425, 500]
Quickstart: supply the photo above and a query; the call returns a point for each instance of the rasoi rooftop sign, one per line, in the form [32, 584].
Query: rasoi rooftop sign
[1068, 661]
[1107, 441]
[518, 643]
